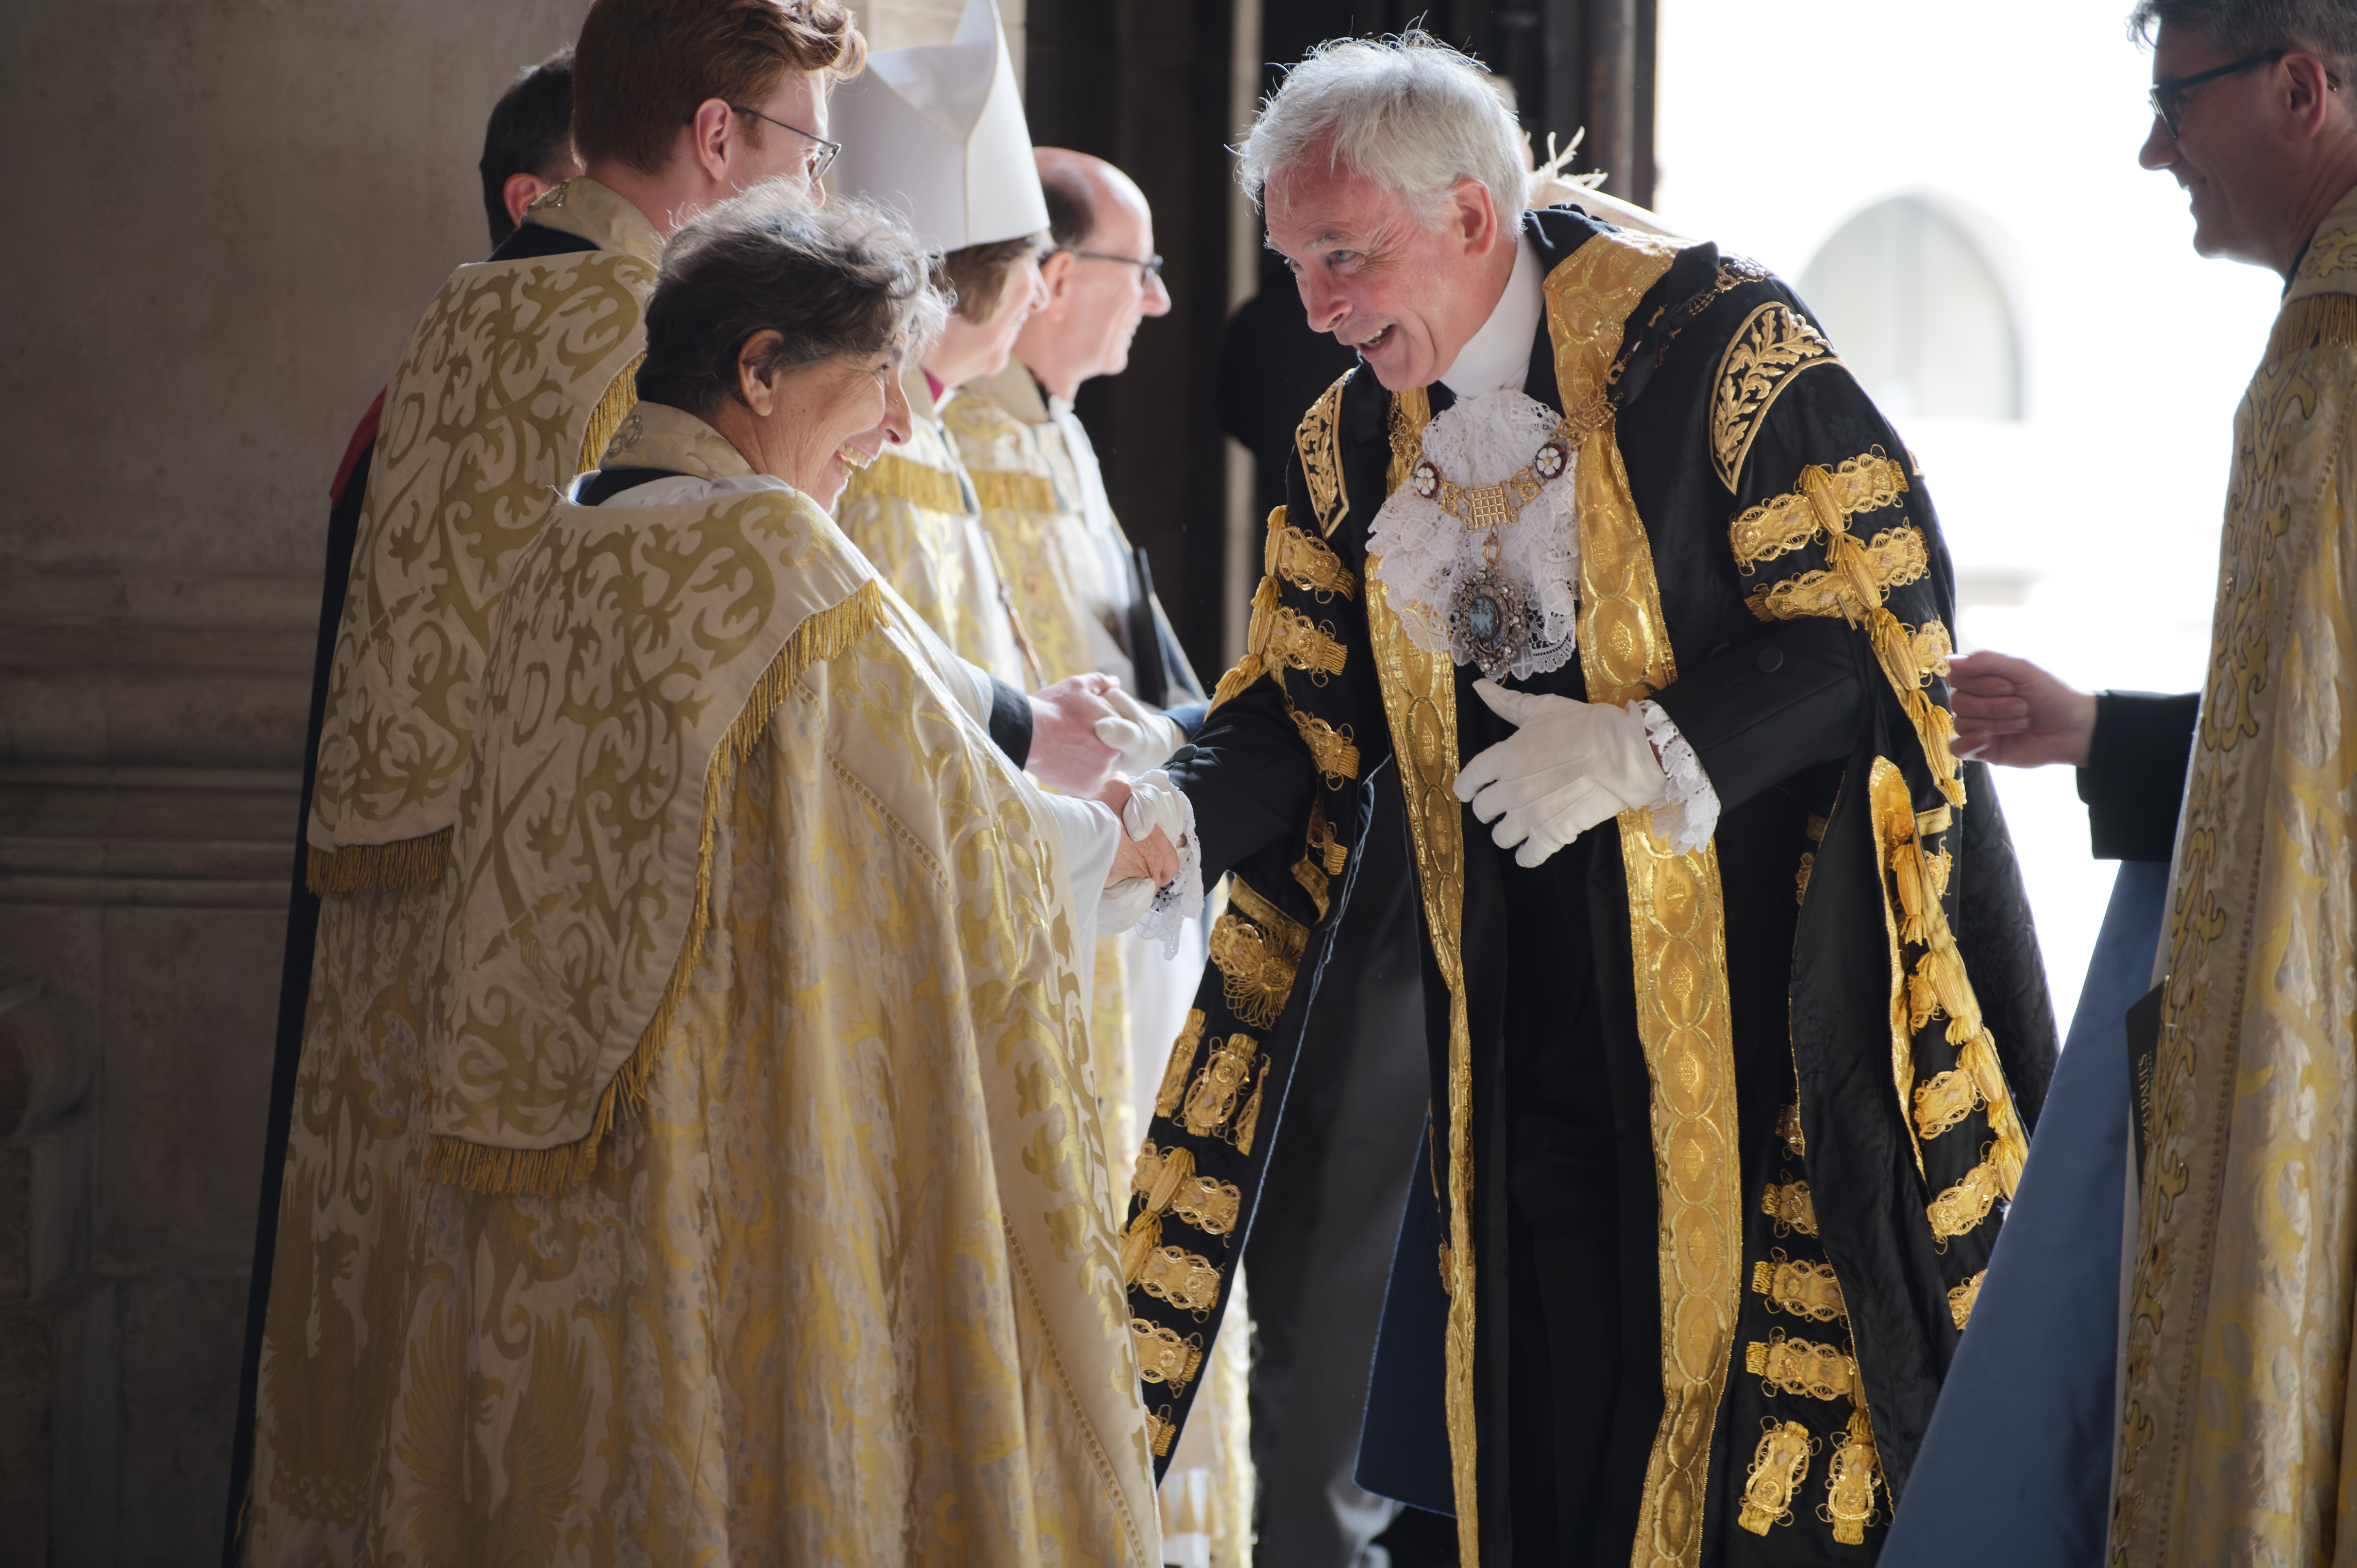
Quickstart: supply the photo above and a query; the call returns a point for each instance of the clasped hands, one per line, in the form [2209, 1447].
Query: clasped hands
[1569, 766]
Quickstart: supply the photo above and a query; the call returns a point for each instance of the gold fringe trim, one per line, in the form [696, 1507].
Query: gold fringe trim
[377, 867]
[459, 1162]
[621, 397]
[903, 479]
[2319, 321]
[1000, 490]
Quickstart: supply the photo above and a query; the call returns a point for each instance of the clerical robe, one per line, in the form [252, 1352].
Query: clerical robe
[703, 1165]
[1719, 1137]
[2235, 1427]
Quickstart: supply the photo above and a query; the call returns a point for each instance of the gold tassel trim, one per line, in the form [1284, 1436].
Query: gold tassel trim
[459, 1162]
[2319, 321]
[905, 479]
[377, 867]
[621, 397]
[1000, 490]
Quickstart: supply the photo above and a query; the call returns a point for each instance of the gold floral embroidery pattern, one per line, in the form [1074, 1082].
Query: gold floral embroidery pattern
[1321, 465]
[1329, 749]
[1804, 1289]
[1962, 1298]
[1943, 1099]
[1281, 636]
[1790, 1206]
[1778, 1467]
[1852, 1478]
[1257, 947]
[1187, 1281]
[1174, 1071]
[1782, 524]
[1801, 1366]
[1932, 645]
[1162, 1356]
[1213, 1097]
[1209, 1205]
[1965, 1205]
[1306, 562]
[1767, 350]
[1001, 489]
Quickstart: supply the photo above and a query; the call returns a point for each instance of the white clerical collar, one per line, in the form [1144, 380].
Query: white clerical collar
[1500, 354]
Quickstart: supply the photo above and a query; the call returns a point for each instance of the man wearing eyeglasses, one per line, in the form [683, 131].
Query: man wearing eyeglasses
[2230, 809]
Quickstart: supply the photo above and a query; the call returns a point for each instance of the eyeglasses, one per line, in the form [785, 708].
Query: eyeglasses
[1150, 267]
[818, 160]
[2166, 96]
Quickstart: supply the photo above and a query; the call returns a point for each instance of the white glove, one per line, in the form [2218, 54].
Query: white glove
[1155, 802]
[1143, 738]
[1570, 766]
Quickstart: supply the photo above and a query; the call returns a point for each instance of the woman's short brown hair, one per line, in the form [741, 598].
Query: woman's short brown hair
[975, 276]
[642, 65]
[847, 279]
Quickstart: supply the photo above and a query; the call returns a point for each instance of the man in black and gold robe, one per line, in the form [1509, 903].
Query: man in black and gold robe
[1722, 1117]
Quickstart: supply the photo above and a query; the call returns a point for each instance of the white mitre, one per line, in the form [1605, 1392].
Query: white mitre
[937, 132]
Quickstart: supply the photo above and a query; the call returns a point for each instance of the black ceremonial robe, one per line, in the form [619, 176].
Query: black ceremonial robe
[1719, 1139]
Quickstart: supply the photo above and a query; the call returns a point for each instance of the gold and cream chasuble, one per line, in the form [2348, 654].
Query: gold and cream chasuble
[512, 383]
[2238, 1437]
[705, 1167]
[1027, 478]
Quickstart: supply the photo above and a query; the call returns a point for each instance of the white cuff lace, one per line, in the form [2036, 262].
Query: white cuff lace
[1181, 898]
[1690, 815]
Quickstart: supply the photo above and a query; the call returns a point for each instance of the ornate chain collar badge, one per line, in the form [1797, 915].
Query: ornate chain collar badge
[1487, 572]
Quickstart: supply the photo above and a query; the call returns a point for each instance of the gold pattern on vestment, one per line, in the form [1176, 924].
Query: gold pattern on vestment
[1212, 1100]
[1961, 1298]
[1773, 344]
[1779, 1466]
[1804, 1289]
[1176, 1070]
[998, 490]
[1321, 462]
[1785, 1365]
[905, 479]
[2235, 1438]
[1676, 920]
[1304, 561]
[1783, 523]
[1966, 1204]
[1257, 946]
[1853, 1477]
[1790, 1206]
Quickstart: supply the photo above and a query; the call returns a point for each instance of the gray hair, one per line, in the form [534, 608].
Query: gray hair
[847, 279]
[1408, 112]
[2328, 28]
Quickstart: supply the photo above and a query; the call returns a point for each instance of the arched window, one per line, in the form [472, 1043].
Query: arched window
[1913, 304]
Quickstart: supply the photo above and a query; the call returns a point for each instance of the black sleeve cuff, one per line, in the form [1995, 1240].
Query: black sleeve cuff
[1010, 722]
[1758, 712]
[2134, 778]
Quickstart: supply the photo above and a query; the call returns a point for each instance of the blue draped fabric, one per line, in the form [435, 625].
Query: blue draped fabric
[2016, 1468]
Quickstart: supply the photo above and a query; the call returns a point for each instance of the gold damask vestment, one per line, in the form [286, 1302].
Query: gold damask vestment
[703, 1167]
[2238, 1442]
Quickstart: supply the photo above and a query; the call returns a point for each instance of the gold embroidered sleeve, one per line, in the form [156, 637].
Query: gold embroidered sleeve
[1801, 1366]
[1304, 561]
[1773, 344]
[1780, 524]
[1257, 947]
[1962, 1298]
[1965, 1205]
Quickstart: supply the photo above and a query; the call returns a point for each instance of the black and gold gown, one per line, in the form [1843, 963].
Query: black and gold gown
[1720, 1140]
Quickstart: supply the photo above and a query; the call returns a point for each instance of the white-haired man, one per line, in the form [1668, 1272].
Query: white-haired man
[1725, 1091]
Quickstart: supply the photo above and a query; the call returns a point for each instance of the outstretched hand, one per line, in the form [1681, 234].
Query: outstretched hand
[2011, 713]
[1153, 856]
[1065, 754]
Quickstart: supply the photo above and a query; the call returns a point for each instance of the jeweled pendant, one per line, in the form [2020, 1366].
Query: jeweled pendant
[1487, 623]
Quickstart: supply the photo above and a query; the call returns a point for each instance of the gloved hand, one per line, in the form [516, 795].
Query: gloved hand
[1570, 766]
[1143, 738]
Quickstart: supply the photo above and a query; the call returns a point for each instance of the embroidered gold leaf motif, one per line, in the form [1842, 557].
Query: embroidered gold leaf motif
[1867, 482]
[1304, 561]
[1162, 1356]
[1214, 1096]
[1804, 1289]
[1790, 1206]
[1801, 1366]
[1209, 1205]
[1960, 1299]
[1943, 1101]
[1181, 1278]
[1174, 1071]
[1893, 558]
[1322, 463]
[1787, 1127]
[1965, 1205]
[1772, 344]
[1851, 1477]
[1778, 1467]
[1257, 947]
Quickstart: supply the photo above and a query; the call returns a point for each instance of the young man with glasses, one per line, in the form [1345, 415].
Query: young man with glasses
[2230, 811]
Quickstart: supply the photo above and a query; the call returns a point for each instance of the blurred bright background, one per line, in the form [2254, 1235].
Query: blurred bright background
[1960, 206]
